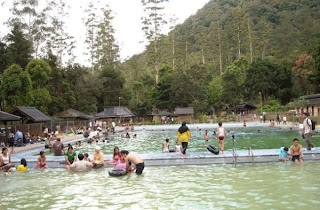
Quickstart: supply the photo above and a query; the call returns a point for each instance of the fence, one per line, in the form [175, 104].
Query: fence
[65, 127]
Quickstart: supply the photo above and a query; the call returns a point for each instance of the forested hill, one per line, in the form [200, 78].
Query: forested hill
[228, 52]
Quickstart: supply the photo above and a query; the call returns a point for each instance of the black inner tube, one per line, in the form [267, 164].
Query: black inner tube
[212, 149]
[117, 172]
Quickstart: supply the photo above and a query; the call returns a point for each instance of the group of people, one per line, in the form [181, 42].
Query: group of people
[296, 148]
[20, 139]
[80, 162]
[295, 152]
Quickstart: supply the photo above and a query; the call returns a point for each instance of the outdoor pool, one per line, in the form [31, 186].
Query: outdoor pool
[259, 186]
[151, 141]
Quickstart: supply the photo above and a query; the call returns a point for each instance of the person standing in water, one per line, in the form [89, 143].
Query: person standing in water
[135, 159]
[183, 135]
[206, 136]
[221, 134]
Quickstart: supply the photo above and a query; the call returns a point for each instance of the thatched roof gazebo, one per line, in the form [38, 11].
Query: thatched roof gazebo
[30, 114]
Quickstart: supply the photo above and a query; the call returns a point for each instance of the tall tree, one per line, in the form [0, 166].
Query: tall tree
[91, 22]
[33, 20]
[61, 43]
[153, 22]
[107, 50]
[19, 48]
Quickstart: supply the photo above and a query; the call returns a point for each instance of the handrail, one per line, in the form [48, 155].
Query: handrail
[234, 150]
[250, 153]
[234, 154]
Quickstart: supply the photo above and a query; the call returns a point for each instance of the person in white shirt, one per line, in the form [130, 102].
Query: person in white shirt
[81, 165]
[307, 130]
[178, 147]
[165, 146]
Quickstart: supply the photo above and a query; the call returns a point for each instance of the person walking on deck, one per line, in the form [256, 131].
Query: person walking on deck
[184, 135]
[307, 130]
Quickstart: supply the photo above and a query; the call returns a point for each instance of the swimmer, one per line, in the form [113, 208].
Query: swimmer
[42, 161]
[206, 136]
[5, 160]
[177, 148]
[244, 124]
[165, 146]
[81, 165]
[135, 136]
[98, 159]
[23, 165]
[135, 159]
[86, 157]
[127, 135]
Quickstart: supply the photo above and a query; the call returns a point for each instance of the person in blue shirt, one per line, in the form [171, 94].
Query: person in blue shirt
[283, 155]
[19, 138]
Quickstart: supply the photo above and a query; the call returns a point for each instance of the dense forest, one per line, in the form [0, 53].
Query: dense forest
[230, 51]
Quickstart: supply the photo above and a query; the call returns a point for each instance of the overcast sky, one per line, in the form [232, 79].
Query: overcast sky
[127, 22]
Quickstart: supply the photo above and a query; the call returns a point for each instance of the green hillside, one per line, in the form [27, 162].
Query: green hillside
[228, 52]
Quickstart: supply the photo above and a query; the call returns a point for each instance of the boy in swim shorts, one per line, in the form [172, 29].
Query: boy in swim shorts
[296, 151]
[42, 161]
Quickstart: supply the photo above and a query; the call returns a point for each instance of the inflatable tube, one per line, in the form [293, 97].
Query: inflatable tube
[121, 165]
[117, 172]
[213, 150]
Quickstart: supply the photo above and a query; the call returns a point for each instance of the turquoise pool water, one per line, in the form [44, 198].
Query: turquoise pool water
[259, 186]
[151, 141]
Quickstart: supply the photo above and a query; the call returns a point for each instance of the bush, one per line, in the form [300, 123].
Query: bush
[203, 119]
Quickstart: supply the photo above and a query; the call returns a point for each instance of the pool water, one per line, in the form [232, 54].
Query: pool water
[151, 141]
[259, 186]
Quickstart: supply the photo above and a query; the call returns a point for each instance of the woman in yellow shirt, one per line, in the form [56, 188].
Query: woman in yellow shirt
[23, 166]
[183, 135]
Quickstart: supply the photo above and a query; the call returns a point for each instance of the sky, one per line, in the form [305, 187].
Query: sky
[127, 22]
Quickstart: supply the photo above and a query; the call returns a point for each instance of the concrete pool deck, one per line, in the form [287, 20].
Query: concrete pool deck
[174, 159]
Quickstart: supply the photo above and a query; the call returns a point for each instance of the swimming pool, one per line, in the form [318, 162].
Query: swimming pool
[150, 141]
[260, 186]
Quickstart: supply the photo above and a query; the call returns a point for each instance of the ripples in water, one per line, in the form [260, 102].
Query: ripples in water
[262, 186]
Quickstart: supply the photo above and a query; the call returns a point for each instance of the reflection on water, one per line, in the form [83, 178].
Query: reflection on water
[151, 141]
[262, 186]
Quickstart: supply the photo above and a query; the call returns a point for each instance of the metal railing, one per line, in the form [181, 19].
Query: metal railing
[234, 154]
[234, 150]
[250, 153]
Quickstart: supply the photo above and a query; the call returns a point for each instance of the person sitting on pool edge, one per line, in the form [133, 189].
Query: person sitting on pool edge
[98, 159]
[283, 155]
[70, 157]
[42, 161]
[135, 159]
[81, 165]
[296, 151]
[165, 146]
[5, 160]
[117, 158]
